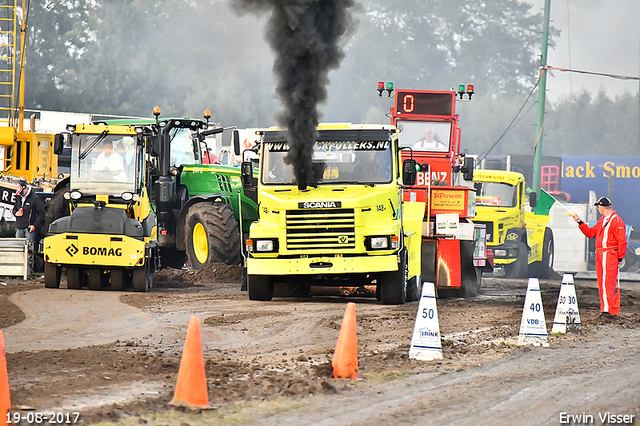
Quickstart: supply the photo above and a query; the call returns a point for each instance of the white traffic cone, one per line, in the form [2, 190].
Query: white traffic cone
[567, 314]
[533, 328]
[425, 342]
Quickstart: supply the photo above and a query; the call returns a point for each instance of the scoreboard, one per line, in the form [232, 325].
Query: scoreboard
[424, 103]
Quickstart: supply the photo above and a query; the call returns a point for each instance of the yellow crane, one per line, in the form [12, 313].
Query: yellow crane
[23, 154]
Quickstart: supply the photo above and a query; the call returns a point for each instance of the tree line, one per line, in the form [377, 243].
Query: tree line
[124, 57]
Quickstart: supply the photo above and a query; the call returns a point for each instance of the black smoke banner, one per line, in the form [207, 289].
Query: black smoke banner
[307, 37]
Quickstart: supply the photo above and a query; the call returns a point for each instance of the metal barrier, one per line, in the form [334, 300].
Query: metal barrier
[16, 257]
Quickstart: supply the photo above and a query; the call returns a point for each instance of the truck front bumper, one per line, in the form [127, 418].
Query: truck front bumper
[322, 265]
[505, 254]
[102, 250]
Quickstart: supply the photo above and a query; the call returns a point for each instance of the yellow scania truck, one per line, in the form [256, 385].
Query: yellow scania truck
[350, 226]
[522, 243]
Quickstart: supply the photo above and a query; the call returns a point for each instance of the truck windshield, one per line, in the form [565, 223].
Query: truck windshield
[334, 162]
[433, 136]
[107, 169]
[182, 147]
[496, 194]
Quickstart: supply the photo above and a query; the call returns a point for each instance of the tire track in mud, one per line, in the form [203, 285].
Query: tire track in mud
[62, 319]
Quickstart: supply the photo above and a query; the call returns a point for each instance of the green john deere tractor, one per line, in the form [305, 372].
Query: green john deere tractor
[198, 206]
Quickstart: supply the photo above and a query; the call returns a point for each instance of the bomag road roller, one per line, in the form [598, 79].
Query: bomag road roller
[109, 239]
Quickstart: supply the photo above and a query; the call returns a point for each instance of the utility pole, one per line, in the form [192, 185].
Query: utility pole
[542, 88]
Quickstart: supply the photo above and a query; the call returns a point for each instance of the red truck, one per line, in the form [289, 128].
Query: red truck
[454, 251]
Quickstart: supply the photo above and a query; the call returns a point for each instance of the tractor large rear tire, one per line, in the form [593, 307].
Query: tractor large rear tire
[212, 235]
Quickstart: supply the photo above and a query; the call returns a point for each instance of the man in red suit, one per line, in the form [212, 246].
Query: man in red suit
[611, 245]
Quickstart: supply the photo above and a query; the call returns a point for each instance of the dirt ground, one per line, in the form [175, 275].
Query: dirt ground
[113, 357]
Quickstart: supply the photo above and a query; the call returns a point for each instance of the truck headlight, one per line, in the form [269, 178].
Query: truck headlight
[377, 243]
[264, 245]
[500, 253]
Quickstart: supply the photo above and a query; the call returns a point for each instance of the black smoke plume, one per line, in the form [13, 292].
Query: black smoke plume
[306, 37]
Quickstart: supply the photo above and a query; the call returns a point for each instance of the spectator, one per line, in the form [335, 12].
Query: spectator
[611, 246]
[29, 212]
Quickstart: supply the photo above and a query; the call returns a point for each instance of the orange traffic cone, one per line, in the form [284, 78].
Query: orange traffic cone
[191, 389]
[5, 401]
[345, 357]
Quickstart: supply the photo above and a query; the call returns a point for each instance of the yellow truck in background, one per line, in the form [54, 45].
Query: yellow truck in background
[521, 241]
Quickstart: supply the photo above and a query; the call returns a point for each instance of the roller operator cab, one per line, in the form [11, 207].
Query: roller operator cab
[109, 239]
[349, 227]
[522, 243]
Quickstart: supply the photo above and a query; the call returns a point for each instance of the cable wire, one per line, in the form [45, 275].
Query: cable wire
[510, 126]
[621, 77]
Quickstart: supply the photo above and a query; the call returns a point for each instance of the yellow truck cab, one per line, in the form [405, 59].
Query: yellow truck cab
[522, 243]
[350, 225]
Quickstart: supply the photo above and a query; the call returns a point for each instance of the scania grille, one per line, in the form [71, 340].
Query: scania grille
[330, 229]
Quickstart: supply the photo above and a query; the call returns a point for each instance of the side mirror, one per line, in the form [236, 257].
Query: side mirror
[246, 170]
[236, 142]
[409, 172]
[155, 145]
[467, 168]
[533, 199]
[58, 142]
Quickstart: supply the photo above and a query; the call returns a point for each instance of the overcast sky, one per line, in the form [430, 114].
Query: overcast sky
[598, 36]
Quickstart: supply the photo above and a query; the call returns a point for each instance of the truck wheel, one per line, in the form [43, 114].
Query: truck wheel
[520, 267]
[470, 286]
[96, 279]
[544, 268]
[119, 279]
[630, 259]
[414, 289]
[393, 290]
[75, 278]
[478, 279]
[142, 278]
[260, 287]
[212, 235]
[52, 274]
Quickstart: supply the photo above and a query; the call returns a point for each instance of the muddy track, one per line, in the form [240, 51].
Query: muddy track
[114, 356]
